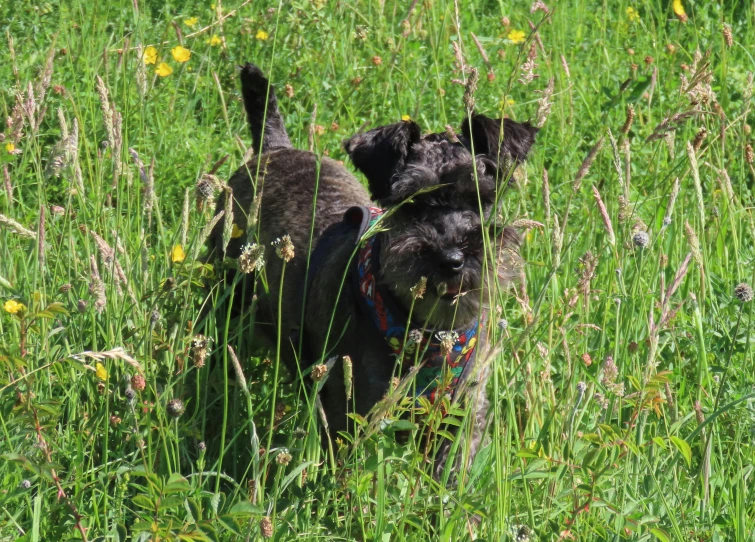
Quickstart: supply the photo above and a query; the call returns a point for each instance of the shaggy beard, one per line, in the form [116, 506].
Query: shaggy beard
[401, 269]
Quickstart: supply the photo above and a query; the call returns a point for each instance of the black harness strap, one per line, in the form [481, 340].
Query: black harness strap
[354, 217]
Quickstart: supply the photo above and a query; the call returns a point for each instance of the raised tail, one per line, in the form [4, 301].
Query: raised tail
[262, 112]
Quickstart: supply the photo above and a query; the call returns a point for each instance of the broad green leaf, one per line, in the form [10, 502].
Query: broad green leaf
[244, 509]
[142, 501]
[662, 535]
[683, 448]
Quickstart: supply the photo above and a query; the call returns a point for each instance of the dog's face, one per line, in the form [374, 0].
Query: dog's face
[441, 197]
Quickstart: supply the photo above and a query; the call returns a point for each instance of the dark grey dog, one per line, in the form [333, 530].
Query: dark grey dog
[353, 292]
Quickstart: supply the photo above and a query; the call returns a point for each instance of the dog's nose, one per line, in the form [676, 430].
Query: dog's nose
[453, 260]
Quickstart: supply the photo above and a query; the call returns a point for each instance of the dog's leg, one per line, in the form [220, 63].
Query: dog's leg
[262, 112]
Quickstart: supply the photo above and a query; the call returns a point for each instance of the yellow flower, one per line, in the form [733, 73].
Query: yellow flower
[191, 21]
[679, 10]
[261, 35]
[510, 101]
[163, 70]
[100, 371]
[236, 232]
[10, 147]
[214, 41]
[180, 54]
[177, 254]
[150, 55]
[14, 307]
[406, 118]
[632, 15]
[516, 36]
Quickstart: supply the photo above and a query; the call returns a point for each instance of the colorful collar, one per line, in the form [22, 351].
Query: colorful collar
[441, 355]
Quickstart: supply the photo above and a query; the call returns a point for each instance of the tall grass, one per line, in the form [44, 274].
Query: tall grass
[622, 402]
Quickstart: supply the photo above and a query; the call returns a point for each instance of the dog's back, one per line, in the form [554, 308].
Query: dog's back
[283, 183]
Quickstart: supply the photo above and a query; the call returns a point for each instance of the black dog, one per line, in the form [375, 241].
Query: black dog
[352, 288]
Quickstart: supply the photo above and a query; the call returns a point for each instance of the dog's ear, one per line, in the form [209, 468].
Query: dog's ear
[382, 152]
[485, 134]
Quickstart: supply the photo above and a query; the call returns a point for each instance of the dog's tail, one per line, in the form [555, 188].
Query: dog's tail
[262, 112]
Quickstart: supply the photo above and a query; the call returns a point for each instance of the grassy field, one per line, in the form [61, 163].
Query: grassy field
[623, 402]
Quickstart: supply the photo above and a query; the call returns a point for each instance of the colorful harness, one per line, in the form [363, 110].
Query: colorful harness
[441, 355]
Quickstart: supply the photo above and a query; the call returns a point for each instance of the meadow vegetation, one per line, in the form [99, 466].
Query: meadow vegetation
[622, 393]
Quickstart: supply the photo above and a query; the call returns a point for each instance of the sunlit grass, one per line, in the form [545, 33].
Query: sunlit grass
[622, 402]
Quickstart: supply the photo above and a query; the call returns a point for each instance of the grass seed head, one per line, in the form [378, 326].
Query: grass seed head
[584, 169]
[470, 88]
[138, 382]
[743, 292]
[447, 341]
[702, 133]
[318, 372]
[641, 239]
[266, 527]
[16, 228]
[544, 104]
[418, 290]
[284, 248]
[629, 120]
[252, 258]
[283, 458]
[175, 408]
[348, 376]
[199, 345]
[699, 416]
[728, 37]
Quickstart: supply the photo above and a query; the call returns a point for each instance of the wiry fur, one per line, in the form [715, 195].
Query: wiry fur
[437, 234]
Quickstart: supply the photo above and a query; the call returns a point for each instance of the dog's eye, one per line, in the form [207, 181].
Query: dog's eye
[472, 239]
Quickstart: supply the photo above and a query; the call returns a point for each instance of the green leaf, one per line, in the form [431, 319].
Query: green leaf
[169, 502]
[142, 501]
[56, 308]
[193, 509]
[216, 502]
[399, 425]
[141, 526]
[229, 524]
[593, 438]
[634, 382]
[446, 434]
[450, 420]
[525, 453]
[359, 420]
[683, 448]
[176, 484]
[24, 462]
[609, 430]
[121, 533]
[246, 509]
[660, 534]
[291, 476]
